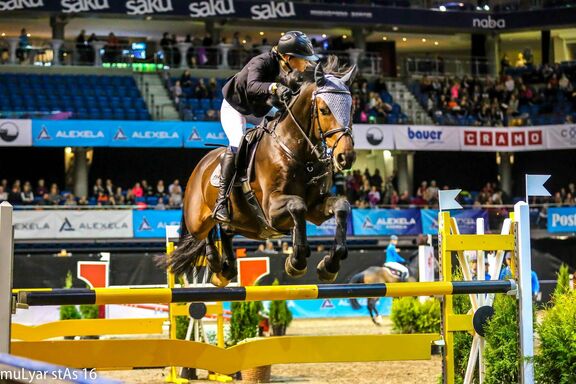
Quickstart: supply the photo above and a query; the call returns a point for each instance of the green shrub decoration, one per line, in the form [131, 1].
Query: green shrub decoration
[280, 315]
[182, 323]
[501, 357]
[563, 283]
[556, 357]
[244, 321]
[409, 315]
[69, 312]
[89, 311]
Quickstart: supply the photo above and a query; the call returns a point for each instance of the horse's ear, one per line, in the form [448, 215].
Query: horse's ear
[319, 78]
[348, 78]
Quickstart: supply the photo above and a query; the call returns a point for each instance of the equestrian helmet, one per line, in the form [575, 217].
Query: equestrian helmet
[297, 44]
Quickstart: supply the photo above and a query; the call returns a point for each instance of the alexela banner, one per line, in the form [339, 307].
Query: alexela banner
[327, 228]
[200, 134]
[378, 222]
[466, 219]
[64, 224]
[376, 136]
[70, 133]
[146, 134]
[561, 220]
[15, 133]
[152, 224]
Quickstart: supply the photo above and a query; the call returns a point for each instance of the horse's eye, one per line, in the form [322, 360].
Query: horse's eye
[325, 111]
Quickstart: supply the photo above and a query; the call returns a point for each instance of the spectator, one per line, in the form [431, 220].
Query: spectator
[54, 195]
[23, 45]
[186, 79]
[177, 92]
[3, 194]
[200, 91]
[376, 180]
[137, 191]
[98, 187]
[83, 201]
[70, 200]
[212, 115]
[41, 188]
[109, 188]
[160, 206]
[160, 189]
[102, 199]
[112, 49]
[119, 198]
[287, 249]
[520, 62]
[147, 189]
[14, 197]
[175, 184]
[175, 190]
[45, 200]
[374, 197]
[27, 196]
[270, 247]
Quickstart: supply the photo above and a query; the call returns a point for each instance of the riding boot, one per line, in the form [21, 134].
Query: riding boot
[227, 171]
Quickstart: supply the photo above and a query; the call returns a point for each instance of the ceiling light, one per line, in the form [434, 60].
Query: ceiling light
[28, 35]
[436, 43]
[486, 7]
[394, 28]
[423, 40]
[261, 33]
[3, 34]
[148, 17]
[323, 35]
[404, 39]
[243, 41]
[384, 38]
[442, 8]
[344, 36]
[281, 33]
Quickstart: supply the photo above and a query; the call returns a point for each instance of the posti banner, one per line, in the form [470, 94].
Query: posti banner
[426, 138]
[65, 224]
[511, 139]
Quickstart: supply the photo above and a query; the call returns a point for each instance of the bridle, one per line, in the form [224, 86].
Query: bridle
[320, 150]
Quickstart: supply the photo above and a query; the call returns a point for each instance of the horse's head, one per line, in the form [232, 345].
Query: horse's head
[332, 115]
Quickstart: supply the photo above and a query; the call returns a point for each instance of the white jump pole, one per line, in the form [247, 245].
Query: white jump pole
[522, 218]
[6, 260]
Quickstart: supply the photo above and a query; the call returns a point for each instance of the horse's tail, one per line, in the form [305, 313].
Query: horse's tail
[185, 257]
[356, 279]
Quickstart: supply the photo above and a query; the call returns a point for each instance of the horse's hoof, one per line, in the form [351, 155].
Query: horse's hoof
[323, 274]
[293, 272]
[229, 273]
[378, 320]
[218, 280]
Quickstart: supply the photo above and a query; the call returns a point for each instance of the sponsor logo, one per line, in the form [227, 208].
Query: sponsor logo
[374, 135]
[563, 220]
[216, 136]
[327, 304]
[272, 10]
[79, 134]
[389, 222]
[162, 135]
[10, 5]
[145, 225]
[211, 8]
[66, 226]
[143, 7]
[9, 131]
[120, 135]
[194, 136]
[44, 135]
[367, 224]
[74, 6]
[503, 139]
[568, 134]
[489, 23]
[31, 226]
[417, 134]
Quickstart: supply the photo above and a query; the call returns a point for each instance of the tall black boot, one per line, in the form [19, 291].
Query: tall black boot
[227, 171]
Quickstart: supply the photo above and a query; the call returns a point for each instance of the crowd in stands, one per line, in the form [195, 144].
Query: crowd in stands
[523, 95]
[142, 194]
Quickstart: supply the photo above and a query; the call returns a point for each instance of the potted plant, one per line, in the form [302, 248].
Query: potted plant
[280, 315]
[244, 325]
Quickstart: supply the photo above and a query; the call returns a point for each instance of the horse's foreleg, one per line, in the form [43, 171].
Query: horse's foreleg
[329, 266]
[294, 207]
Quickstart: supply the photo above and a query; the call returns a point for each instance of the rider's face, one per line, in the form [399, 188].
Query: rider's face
[297, 63]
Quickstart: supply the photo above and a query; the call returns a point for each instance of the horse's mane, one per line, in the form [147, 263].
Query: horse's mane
[330, 66]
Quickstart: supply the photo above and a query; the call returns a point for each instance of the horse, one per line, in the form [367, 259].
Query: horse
[378, 275]
[294, 162]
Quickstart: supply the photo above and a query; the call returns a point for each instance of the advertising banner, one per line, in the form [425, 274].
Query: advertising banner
[492, 139]
[561, 220]
[145, 134]
[426, 138]
[66, 224]
[15, 133]
[465, 218]
[328, 308]
[561, 136]
[373, 136]
[327, 228]
[152, 224]
[207, 134]
[70, 133]
[379, 222]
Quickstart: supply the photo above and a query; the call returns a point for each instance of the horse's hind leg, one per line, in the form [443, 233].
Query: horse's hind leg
[374, 314]
[329, 266]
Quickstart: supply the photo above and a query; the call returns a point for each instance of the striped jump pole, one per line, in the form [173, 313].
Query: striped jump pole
[256, 293]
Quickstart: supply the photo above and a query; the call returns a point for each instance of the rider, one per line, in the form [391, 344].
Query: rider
[393, 258]
[247, 95]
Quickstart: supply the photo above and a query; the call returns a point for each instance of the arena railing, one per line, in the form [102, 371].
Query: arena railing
[447, 65]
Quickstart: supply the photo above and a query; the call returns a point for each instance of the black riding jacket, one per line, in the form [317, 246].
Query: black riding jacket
[249, 90]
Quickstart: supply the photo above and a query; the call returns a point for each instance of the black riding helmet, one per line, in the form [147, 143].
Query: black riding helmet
[297, 44]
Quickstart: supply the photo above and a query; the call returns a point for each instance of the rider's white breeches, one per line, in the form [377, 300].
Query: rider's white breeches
[234, 123]
[398, 267]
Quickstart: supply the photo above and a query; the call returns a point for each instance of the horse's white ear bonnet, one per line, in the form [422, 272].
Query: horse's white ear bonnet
[340, 104]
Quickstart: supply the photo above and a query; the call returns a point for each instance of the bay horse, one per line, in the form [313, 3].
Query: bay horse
[294, 163]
